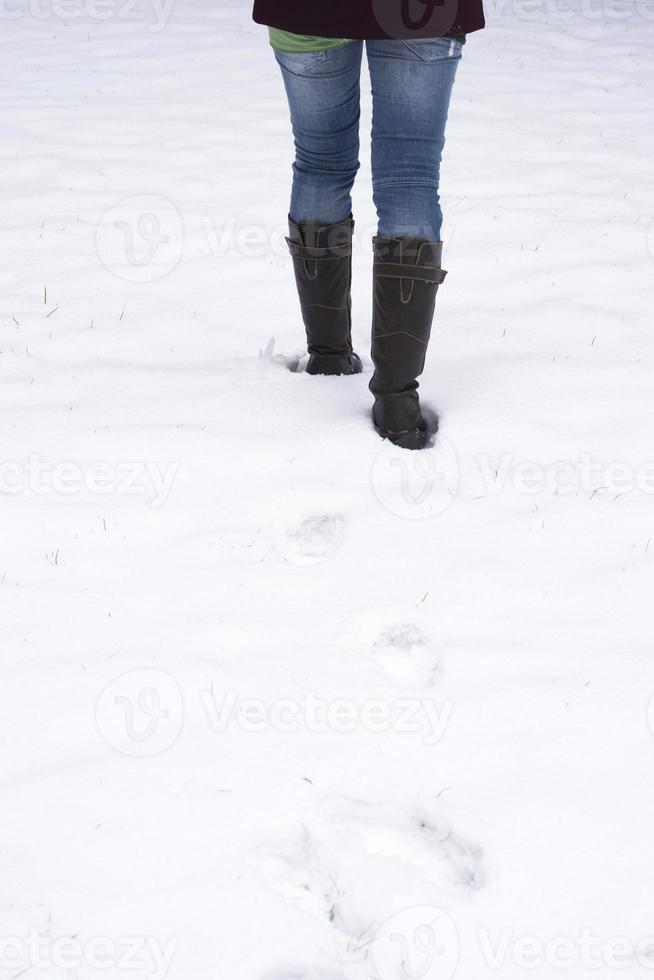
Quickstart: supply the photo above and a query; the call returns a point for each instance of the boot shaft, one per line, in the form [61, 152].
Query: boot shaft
[406, 275]
[322, 262]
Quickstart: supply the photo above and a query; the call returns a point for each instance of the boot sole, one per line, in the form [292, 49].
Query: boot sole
[334, 364]
[412, 439]
[419, 438]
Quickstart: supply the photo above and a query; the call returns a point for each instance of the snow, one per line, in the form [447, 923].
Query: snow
[278, 701]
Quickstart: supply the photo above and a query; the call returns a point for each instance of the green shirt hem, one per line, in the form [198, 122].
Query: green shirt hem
[305, 44]
[301, 44]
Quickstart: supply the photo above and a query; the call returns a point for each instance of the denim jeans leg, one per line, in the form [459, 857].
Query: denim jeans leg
[411, 88]
[323, 90]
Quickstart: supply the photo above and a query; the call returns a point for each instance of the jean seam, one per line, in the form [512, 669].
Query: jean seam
[407, 181]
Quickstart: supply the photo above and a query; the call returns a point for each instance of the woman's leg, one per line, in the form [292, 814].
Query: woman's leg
[323, 96]
[411, 88]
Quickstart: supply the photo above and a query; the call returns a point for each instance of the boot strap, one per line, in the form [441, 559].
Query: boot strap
[311, 254]
[422, 273]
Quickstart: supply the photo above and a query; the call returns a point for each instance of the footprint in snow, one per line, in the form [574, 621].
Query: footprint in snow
[350, 859]
[421, 838]
[296, 870]
[295, 363]
[406, 656]
[313, 540]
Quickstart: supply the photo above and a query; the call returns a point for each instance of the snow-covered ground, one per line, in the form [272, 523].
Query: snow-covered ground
[277, 702]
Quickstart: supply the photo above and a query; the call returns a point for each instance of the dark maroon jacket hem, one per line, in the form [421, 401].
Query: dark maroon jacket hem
[372, 19]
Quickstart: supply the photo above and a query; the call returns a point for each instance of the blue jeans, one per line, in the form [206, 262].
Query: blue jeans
[411, 87]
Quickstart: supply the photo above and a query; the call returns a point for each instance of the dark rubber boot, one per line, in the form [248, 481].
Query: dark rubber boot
[406, 276]
[322, 259]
